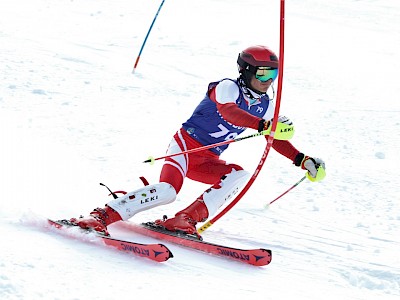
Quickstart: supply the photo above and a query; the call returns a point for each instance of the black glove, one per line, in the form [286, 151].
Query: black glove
[263, 125]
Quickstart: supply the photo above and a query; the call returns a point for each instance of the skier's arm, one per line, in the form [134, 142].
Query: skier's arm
[314, 166]
[233, 114]
[225, 99]
[286, 149]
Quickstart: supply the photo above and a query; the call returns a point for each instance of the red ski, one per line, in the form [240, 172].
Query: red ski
[256, 257]
[156, 252]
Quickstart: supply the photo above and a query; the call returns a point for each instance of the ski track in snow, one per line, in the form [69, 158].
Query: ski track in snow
[72, 115]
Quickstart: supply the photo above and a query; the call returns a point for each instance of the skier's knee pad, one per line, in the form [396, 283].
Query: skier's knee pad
[143, 199]
[229, 186]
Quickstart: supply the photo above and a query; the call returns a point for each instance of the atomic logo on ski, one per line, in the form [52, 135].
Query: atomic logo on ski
[156, 252]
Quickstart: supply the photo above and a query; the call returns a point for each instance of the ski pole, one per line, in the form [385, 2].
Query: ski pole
[151, 159]
[287, 191]
[147, 35]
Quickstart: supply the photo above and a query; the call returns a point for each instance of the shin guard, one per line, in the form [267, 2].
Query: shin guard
[229, 185]
[143, 199]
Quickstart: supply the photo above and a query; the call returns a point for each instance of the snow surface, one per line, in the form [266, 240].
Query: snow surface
[72, 115]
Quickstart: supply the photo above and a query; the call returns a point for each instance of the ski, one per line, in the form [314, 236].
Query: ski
[156, 252]
[256, 257]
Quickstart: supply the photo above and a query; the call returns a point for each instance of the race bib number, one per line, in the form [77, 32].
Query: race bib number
[224, 132]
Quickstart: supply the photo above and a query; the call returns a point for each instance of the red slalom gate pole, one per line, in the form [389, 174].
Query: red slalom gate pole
[270, 138]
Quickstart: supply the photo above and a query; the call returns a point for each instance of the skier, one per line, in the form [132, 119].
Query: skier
[228, 108]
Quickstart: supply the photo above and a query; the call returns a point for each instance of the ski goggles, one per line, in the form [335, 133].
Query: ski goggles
[264, 74]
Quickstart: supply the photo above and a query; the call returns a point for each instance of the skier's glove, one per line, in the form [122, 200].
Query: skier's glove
[263, 125]
[284, 128]
[315, 166]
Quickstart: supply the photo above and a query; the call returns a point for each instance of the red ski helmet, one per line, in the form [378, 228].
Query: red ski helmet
[256, 56]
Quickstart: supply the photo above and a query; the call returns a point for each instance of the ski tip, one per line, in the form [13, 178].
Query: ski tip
[261, 257]
[170, 255]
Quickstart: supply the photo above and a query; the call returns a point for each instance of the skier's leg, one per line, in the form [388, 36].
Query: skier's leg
[123, 208]
[127, 206]
[207, 203]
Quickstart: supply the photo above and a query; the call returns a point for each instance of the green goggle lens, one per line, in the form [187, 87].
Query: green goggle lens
[264, 74]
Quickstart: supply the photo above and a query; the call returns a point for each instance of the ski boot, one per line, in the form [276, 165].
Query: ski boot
[185, 221]
[98, 220]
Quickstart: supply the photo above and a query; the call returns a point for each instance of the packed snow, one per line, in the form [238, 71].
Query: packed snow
[73, 115]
